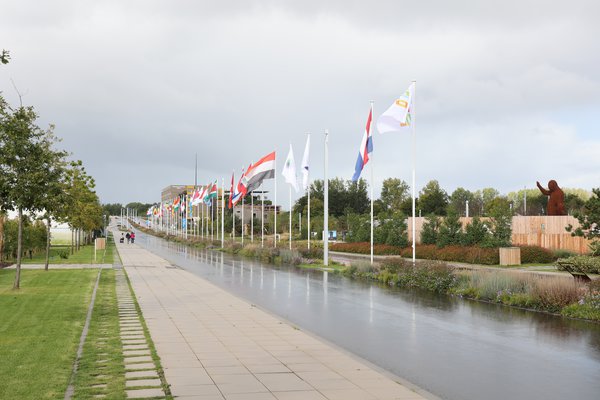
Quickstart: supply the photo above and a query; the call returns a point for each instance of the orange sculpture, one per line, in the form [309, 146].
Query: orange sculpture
[556, 201]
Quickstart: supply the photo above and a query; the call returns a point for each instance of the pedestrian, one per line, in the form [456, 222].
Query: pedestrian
[132, 237]
[128, 236]
[122, 239]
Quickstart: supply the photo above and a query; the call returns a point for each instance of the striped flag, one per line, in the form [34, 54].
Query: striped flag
[259, 171]
[366, 148]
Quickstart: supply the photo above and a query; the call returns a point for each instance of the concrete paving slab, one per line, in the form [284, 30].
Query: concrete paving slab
[144, 393]
[143, 382]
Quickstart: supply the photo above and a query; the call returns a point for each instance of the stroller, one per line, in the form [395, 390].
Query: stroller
[122, 239]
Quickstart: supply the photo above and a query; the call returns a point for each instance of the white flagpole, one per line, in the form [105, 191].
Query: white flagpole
[243, 198]
[372, 180]
[290, 217]
[217, 207]
[212, 221]
[252, 217]
[223, 213]
[308, 216]
[275, 208]
[202, 218]
[326, 205]
[413, 121]
[233, 219]
[262, 219]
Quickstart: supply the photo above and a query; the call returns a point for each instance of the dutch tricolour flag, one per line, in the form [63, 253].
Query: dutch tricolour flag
[366, 148]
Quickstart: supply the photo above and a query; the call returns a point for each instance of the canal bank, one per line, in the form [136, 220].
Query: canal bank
[212, 343]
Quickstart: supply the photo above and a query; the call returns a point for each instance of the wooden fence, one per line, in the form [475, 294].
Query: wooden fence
[543, 231]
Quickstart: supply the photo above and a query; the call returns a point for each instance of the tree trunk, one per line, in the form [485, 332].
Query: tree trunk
[1, 235]
[17, 283]
[47, 244]
[72, 240]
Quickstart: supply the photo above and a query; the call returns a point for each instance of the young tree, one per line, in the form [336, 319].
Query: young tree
[589, 221]
[476, 233]
[501, 220]
[23, 166]
[430, 230]
[450, 231]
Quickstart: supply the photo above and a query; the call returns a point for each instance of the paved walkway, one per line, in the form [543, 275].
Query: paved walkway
[214, 345]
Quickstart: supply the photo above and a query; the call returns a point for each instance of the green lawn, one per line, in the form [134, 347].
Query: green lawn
[85, 255]
[40, 326]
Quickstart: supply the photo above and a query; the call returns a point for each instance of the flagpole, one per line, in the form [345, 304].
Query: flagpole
[262, 219]
[252, 216]
[308, 216]
[223, 213]
[290, 216]
[243, 198]
[414, 149]
[212, 220]
[233, 219]
[326, 205]
[275, 209]
[217, 206]
[372, 180]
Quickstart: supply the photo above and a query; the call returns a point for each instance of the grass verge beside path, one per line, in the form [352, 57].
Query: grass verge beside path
[101, 369]
[85, 255]
[40, 326]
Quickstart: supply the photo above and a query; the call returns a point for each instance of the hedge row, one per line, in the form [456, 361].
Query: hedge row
[465, 254]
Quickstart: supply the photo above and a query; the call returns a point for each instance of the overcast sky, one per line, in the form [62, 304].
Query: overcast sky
[507, 92]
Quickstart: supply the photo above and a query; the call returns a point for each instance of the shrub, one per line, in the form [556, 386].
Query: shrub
[395, 265]
[290, 257]
[64, 254]
[314, 253]
[585, 264]
[536, 254]
[430, 275]
[499, 285]
[553, 294]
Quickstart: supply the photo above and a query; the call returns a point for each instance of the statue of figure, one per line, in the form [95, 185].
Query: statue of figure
[556, 202]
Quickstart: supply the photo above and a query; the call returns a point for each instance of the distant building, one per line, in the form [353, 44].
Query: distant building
[249, 212]
[172, 191]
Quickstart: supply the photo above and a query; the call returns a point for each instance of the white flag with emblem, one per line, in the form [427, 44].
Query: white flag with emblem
[289, 170]
[399, 114]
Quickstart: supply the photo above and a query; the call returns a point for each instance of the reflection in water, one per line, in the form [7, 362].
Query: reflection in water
[457, 349]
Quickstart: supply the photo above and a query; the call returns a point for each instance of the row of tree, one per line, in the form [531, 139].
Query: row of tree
[38, 179]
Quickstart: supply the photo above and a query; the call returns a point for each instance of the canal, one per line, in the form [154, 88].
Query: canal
[456, 349]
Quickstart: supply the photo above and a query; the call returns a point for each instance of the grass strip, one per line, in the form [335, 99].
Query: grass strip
[85, 255]
[101, 369]
[154, 354]
[40, 326]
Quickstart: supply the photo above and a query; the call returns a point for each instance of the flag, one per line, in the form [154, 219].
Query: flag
[289, 170]
[239, 191]
[230, 205]
[150, 211]
[195, 200]
[176, 201]
[211, 193]
[366, 148]
[399, 113]
[304, 166]
[259, 171]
